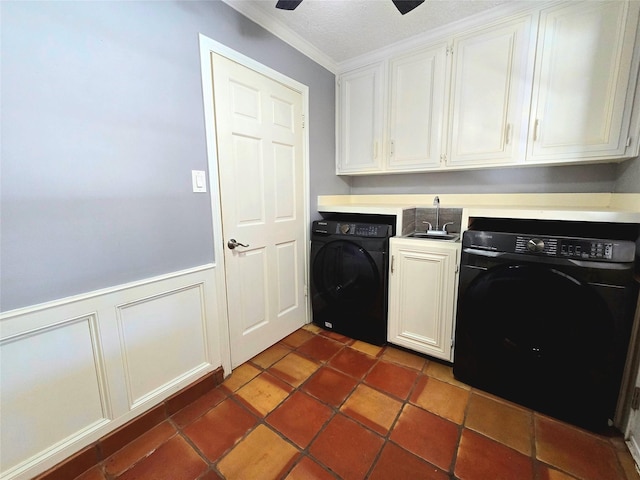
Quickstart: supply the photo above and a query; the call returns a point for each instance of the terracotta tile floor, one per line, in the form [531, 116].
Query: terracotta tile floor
[318, 405]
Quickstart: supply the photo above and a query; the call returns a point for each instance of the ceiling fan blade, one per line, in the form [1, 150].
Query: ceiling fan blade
[288, 4]
[405, 6]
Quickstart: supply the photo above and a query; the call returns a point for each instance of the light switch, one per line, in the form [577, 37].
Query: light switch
[199, 180]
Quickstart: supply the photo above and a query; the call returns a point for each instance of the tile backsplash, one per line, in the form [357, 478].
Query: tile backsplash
[413, 219]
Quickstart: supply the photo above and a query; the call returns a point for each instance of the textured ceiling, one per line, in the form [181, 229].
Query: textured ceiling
[345, 29]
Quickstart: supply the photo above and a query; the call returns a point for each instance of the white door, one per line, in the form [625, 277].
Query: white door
[259, 131]
[633, 428]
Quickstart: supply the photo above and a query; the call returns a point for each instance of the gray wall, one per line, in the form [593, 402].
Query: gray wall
[102, 123]
[601, 178]
[628, 177]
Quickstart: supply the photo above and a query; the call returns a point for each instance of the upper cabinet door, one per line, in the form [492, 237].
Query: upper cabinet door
[583, 72]
[417, 107]
[360, 107]
[491, 87]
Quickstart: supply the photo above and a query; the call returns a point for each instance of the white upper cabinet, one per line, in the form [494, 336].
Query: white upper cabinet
[361, 119]
[580, 106]
[490, 89]
[552, 85]
[416, 109]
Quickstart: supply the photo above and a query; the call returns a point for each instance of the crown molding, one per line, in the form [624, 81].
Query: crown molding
[445, 32]
[284, 33]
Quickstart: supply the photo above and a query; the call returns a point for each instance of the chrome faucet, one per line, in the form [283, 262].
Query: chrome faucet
[436, 202]
[437, 231]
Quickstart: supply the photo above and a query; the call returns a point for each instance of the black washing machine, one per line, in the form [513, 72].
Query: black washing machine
[349, 263]
[545, 321]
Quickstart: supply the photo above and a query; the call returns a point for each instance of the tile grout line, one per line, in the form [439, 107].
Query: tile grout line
[534, 448]
[362, 381]
[305, 452]
[461, 427]
[210, 465]
[302, 453]
[336, 410]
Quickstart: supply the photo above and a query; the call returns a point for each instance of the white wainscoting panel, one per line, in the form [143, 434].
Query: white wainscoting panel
[52, 389]
[163, 340]
[75, 369]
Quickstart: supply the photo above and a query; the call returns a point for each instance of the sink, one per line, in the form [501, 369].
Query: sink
[434, 235]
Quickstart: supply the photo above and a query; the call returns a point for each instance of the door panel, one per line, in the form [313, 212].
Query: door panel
[251, 266]
[260, 162]
[247, 173]
[284, 173]
[288, 282]
[632, 431]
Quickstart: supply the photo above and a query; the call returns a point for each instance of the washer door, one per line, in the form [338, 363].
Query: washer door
[539, 337]
[344, 273]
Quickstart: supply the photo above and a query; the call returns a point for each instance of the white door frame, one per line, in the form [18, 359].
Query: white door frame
[207, 46]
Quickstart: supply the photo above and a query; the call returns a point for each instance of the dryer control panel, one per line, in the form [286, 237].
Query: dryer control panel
[373, 230]
[551, 246]
[567, 247]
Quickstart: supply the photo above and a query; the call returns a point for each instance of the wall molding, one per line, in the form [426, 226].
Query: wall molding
[104, 291]
[102, 407]
[284, 33]
[70, 374]
[166, 297]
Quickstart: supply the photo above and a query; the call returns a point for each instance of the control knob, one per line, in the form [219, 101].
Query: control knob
[535, 245]
[345, 228]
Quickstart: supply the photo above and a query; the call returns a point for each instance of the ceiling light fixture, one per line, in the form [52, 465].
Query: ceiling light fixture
[288, 4]
[403, 6]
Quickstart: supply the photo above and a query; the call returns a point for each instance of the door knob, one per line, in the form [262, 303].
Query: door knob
[233, 244]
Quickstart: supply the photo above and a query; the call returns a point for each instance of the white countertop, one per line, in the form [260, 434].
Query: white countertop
[597, 207]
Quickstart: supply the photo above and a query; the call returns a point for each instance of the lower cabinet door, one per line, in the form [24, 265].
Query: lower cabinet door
[422, 293]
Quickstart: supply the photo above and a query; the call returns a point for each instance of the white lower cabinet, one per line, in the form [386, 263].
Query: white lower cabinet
[422, 293]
